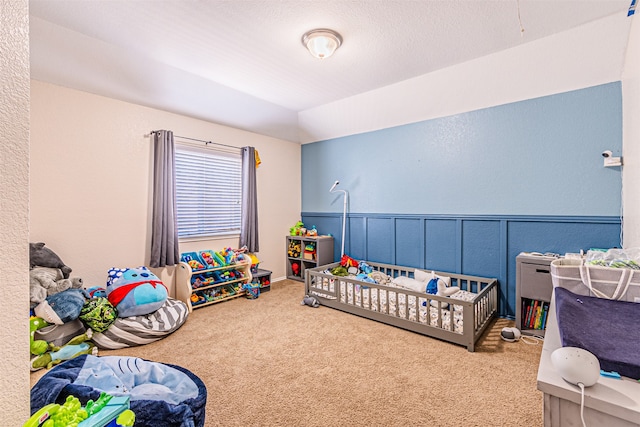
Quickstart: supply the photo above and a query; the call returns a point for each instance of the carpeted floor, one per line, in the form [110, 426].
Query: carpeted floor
[274, 362]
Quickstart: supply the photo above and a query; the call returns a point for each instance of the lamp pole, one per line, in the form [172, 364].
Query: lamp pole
[344, 211]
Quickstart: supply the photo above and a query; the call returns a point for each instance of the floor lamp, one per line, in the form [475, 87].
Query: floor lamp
[344, 211]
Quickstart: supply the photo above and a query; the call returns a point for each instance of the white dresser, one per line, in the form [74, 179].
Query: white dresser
[610, 402]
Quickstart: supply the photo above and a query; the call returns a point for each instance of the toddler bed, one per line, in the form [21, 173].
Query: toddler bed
[460, 318]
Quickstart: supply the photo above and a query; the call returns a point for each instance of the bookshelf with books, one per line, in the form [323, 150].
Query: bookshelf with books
[534, 314]
[533, 292]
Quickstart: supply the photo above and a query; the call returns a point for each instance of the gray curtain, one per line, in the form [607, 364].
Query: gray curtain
[249, 224]
[164, 230]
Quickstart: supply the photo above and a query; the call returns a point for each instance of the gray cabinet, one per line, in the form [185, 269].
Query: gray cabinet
[307, 252]
[533, 292]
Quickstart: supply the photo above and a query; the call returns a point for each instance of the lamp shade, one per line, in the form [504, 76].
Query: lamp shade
[321, 42]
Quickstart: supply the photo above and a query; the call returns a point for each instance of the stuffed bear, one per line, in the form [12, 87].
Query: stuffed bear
[45, 257]
[46, 281]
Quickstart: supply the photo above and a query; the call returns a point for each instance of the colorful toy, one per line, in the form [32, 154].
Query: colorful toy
[37, 347]
[135, 291]
[313, 232]
[74, 348]
[339, 271]
[295, 268]
[207, 257]
[98, 314]
[97, 292]
[193, 260]
[106, 411]
[365, 268]
[296, 229]
[197, 299]
[252, 291]
[228, 256]
[294, 249]
[310, 251]
[346, 261]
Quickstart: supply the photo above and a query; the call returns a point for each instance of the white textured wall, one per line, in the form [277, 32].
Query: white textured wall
[14, 211]
[542, 67]
[631, 139]
[91, 177]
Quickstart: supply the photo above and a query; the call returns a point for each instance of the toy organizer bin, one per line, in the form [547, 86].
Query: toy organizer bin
[262, 278]
[208, 277]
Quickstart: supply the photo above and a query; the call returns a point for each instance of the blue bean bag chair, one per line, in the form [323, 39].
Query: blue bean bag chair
[161, 395]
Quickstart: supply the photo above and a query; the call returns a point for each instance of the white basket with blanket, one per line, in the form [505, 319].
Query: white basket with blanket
[594, 280]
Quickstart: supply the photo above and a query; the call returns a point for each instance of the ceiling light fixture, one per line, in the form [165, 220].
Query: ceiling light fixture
[322, 42]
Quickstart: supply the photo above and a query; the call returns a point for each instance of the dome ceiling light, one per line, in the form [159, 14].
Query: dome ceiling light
[322, 42]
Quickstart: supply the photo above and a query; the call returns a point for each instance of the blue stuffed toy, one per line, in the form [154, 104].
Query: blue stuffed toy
[135, 291]
[62, 307]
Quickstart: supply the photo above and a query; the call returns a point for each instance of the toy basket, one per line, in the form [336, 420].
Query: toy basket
[603, 282]
[252, 290]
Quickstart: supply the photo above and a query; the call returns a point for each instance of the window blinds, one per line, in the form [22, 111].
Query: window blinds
[208, 191]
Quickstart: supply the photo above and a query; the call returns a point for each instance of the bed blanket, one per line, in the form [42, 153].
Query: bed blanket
[608, 329]
[186, 394]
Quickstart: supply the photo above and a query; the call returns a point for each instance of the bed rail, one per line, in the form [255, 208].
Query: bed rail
[460, 321]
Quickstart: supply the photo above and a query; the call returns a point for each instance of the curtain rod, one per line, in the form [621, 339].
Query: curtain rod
[202, 140]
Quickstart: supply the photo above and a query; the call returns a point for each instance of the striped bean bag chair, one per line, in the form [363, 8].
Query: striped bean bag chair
[139, 330]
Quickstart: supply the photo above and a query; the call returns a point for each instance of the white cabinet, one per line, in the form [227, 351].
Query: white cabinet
[533, 292]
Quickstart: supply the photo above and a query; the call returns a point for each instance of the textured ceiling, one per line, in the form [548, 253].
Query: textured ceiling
[247, 54]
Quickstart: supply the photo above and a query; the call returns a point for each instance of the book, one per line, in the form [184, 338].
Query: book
[545, 311]
[538, 323]
[533, 314]
[527, 318]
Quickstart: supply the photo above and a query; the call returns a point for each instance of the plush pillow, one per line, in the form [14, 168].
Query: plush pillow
[425, 276]
[135, 291]
[409, 283]
[98, 314]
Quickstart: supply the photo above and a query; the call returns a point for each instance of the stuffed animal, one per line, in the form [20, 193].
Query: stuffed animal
[310, 301]
[347, 262]
[98, 314]
[47, 281]
[62, 307]
[37, 347]
[45, 257]
[74, 348]
[135, 291]
[380, 277]
[297, 230]
[295, 269]
[441, 286]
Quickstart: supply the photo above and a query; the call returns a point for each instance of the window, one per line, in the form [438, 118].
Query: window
[208, 191]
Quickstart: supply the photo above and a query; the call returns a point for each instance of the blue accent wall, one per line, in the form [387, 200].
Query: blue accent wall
[477, 245]
[536, 157]
[466, 193]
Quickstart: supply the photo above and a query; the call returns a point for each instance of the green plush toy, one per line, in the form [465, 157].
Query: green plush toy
[295, 230]
[74, 348]
[37, 347]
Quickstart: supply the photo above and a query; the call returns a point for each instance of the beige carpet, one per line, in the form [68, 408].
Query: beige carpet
[274, 362]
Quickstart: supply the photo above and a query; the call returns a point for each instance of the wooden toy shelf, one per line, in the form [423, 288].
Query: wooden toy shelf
[185, 276]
